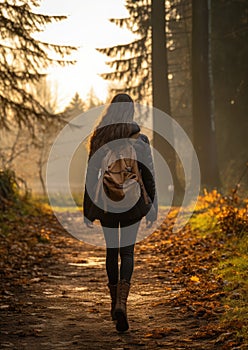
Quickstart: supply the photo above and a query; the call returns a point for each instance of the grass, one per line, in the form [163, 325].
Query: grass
[16, 214]
[233, 257]
[59, 200]
[234, 272]
[204, 223]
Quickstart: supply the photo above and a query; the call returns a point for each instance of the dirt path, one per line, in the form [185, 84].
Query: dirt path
[65, 305]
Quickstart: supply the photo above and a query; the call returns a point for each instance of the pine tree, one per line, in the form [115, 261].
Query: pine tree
[92, 100]
[179, 62]
[24, 60]
[131, 62]
[202, 93]
[76, 107]
[230, 70]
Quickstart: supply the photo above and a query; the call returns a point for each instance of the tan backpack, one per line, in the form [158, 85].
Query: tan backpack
[120, 184]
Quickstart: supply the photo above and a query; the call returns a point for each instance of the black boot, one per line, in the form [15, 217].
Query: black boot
[121, 306]
[113, 294]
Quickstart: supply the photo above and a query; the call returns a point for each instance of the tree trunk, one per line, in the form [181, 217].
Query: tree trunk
[161, 96]
[202, 94]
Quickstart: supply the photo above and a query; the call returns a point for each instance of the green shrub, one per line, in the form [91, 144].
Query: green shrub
[12, 189]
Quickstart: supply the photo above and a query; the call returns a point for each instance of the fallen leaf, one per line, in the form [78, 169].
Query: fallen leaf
[195, 279]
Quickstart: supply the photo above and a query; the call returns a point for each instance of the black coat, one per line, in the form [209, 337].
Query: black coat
[93, 212]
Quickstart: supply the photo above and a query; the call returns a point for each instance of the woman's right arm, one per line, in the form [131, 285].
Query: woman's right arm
[148, 176]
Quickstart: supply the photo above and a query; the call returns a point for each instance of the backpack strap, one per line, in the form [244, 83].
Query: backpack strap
[143, 189]
[142, 186]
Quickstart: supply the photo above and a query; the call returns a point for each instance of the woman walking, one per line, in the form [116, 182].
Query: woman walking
[120, 224]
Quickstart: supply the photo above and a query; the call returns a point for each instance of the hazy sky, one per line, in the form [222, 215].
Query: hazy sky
[88, 27]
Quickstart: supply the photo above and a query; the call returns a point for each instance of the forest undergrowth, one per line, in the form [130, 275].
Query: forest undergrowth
[225, 218]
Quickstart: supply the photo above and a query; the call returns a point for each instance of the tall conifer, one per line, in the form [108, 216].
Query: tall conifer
[23, 61]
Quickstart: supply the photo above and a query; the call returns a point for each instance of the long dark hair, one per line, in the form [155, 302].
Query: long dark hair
[115, 122]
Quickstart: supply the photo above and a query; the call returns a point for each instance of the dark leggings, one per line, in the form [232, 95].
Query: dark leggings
[123, 245]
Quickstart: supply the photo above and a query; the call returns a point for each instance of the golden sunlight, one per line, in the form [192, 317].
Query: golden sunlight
[87, 27]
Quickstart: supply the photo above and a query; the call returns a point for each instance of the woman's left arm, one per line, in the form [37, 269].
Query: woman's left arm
[89, 208]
